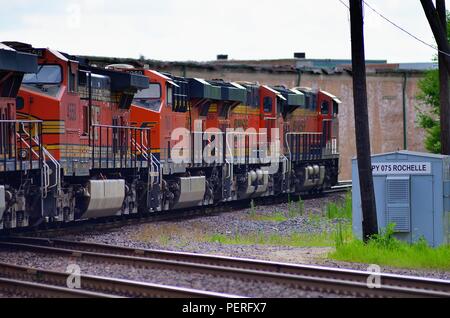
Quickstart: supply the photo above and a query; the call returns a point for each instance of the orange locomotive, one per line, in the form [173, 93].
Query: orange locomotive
[95, 164]
[162, 107]
[20, 173]
[214, 109]
[104, 142]
[323, 111]
[194, 106]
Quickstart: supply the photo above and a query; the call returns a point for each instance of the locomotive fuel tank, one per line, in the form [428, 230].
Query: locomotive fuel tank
[191, 192]
[105, 198]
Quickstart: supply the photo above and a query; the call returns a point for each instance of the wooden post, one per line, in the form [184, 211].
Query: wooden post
[443, 85]
[370, 223]
[438, 30]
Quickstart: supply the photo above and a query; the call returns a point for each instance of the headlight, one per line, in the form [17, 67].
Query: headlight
[23, 154]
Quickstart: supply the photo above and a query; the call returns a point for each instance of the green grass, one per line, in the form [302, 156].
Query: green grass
[386, 250]
[323, 239]
[295, 209]
[252, 209]
[340, 210]
[276, 217]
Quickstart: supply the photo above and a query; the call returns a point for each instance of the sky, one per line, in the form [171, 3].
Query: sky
[198, 30]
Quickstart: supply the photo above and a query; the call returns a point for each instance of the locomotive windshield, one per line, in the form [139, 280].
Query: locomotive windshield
[149, 98]
[46, 75]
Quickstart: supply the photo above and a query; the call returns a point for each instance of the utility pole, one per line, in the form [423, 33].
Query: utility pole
[437, 18]
[370, 223]
[436, 26]
[443, 84]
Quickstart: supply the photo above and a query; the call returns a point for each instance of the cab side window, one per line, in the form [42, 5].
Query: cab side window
[335, 108]
[169, 95]
[72, 81]
[268, 105]
[325, 108]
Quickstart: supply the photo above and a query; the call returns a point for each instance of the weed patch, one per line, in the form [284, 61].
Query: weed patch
[385, 249]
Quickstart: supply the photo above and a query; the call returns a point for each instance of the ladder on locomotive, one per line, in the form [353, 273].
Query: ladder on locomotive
[46, 157]
[154, 170]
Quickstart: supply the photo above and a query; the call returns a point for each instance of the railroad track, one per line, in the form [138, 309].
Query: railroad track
[344, 186]
[22, 288]
[52, 283]
[308, 278]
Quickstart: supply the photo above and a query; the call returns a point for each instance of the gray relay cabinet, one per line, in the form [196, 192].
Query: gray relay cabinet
[412, 190]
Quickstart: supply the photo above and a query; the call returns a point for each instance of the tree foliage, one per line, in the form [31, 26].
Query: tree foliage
[428, 117]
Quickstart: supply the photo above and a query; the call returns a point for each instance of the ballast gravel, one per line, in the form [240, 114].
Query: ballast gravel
[181, 235]
[158, 276]
[189, 235]
[239, 222]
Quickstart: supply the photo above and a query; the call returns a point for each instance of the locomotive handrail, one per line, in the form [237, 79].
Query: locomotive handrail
[305, 133]
[141, 148]
[157, 164]
[46, 153]
[130, 142]
[288, 166]
[332, 146]
[121, 127]
[238, 133]
[230, 169]
[44, 164]
[46, 168]
[298, 134]
[23, 135]
[19, 121]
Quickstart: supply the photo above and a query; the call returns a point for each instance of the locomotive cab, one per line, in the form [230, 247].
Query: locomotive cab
[312, 142]
[328, 114]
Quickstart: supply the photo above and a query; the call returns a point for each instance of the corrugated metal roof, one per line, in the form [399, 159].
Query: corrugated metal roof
[418, 66]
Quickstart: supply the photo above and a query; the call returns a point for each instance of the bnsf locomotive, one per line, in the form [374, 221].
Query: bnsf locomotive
[81, 142]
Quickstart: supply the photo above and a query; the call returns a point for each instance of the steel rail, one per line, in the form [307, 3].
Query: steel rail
[308, 283]
[339, 188]
[306, 270]
[20, 287]
[107, 285]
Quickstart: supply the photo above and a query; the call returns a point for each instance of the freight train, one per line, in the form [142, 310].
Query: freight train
[81, 142]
